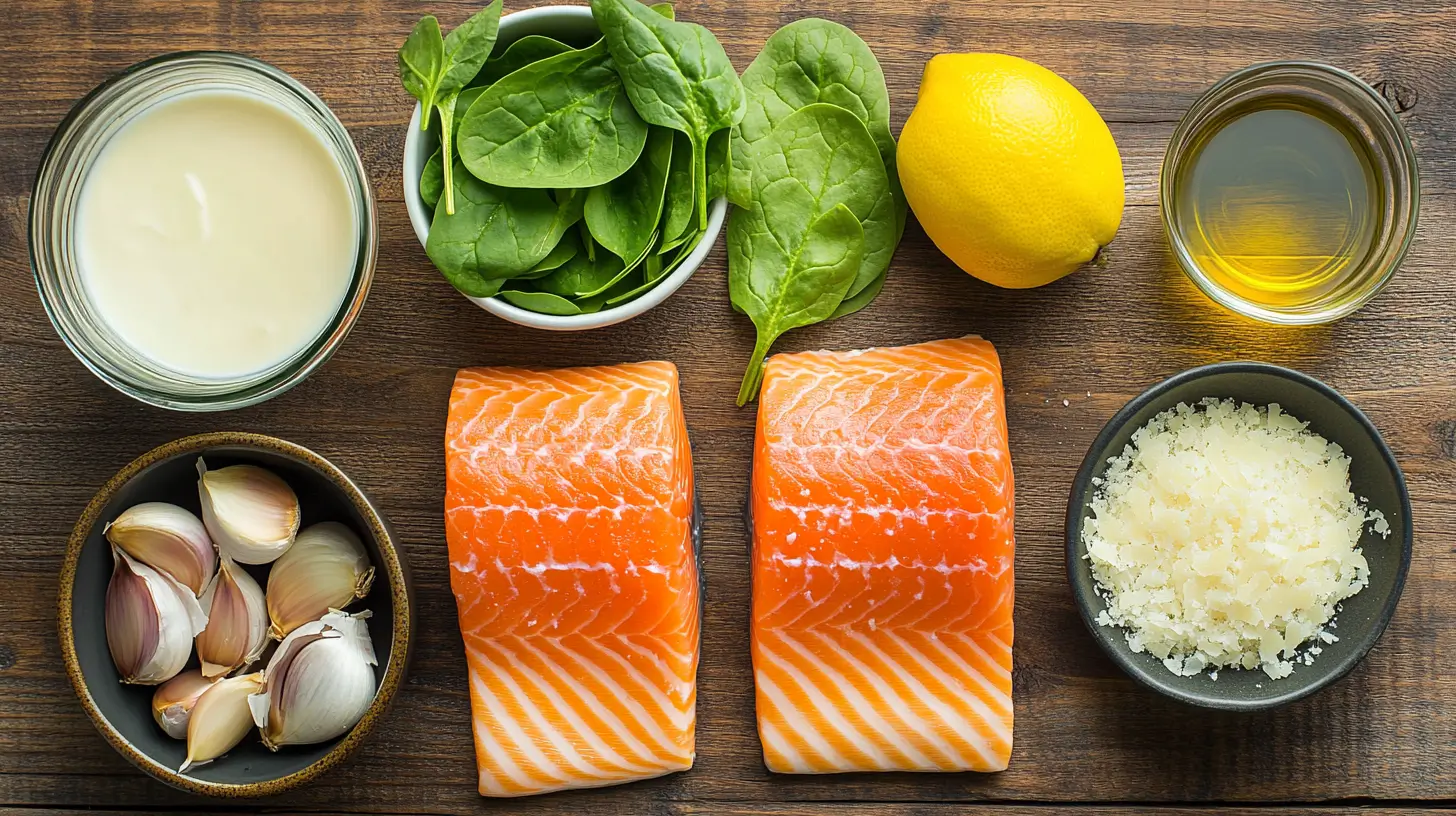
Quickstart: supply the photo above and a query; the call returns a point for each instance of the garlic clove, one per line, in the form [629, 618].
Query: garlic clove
[251, 513]
[174, 700]
[237, 621]
[167, 538]
[326, 568]
[220, 719]
[320, 682]
[150, 621]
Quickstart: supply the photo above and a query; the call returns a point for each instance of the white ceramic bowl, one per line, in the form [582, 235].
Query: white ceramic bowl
[571, 24]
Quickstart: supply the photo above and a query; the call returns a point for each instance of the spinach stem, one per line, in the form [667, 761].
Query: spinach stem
[700, 177]
[447, 125]
[753, 377]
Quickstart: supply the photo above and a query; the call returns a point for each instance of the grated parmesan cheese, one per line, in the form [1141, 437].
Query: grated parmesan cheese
[1226, 535]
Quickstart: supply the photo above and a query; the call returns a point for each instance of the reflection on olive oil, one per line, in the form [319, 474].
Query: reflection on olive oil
[1278, 204]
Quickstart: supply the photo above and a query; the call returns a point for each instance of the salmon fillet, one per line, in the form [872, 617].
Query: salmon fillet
[568, 512]
[882, 561]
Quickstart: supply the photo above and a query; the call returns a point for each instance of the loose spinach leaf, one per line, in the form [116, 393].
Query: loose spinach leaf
[528, 49]
[677, 75]
[623, 213]
[819, 156]
[808, 61]
[432, 180]
[564, 121]
[583, 277]
[861, 299]
[782, 287]
[497, 232]
[436, 69]
[540, 302]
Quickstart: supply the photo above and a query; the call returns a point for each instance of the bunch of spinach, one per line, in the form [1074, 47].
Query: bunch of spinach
[579, 177]
[812, 154]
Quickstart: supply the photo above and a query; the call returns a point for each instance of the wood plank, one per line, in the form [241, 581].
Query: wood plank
[1084, 733]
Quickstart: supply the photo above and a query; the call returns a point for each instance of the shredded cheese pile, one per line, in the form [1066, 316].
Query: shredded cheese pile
[1226, 535]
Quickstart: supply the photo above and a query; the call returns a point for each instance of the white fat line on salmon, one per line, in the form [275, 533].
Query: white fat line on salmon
[773, 741]
[872, 714]
[565, 745]
[603, 710]
[841, 562]
[847, 511]
[948, 714]
[797, 723]
[560, 512]
[499, 754]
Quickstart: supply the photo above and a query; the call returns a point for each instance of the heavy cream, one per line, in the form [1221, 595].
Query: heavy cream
[216, 234]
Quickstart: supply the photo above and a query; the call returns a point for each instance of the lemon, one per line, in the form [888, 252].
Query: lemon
[1009, 169]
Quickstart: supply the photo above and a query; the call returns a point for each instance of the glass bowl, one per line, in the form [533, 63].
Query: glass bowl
[1364, 115]
[68, 158]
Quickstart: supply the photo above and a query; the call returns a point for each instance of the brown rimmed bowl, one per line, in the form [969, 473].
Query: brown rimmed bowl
[122, 713]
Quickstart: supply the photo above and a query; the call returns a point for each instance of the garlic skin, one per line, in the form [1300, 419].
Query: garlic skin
[168, 538]
[326, 568]
[251, 513]
[319, 682]
[173, 702]
[220, 719]
[237, 621]
[150, 621]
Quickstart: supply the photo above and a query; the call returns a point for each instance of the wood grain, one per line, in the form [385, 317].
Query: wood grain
[1073, 353]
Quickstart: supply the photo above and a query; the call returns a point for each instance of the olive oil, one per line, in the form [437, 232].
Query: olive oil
[1278, 203]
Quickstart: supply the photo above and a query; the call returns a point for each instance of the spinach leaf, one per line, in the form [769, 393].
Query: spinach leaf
[435, 70]
[618, 291]
[854, 302]
[564, 121]
[819, 156]
[565, 250]
[421, 65]
[808, 61]
[497, 232]
[782, 287]
[540, 302]
[623, 213]
[720, 165]
[677, 206]
[528, 49]
[677, 75]
[583, 277]
[432, 180]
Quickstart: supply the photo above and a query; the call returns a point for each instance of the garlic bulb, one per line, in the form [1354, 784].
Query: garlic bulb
[172, 704]
[150, 621]
[220, 719]
[250, 512]
[319, 682]
[326, 568]
[167, 538]
[237, 621]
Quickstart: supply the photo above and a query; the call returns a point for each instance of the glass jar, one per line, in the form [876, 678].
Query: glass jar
[1387, 213]
[53, 255]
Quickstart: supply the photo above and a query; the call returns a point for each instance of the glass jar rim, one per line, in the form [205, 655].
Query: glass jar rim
[106, 106]
[1223, 95]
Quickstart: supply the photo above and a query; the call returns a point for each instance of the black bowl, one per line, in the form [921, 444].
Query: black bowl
[122, 713]
[1374, 476]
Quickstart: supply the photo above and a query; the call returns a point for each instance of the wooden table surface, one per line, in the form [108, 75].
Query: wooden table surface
[1073, 352]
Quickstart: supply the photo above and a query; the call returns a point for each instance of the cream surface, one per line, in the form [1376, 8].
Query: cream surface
[216, 234]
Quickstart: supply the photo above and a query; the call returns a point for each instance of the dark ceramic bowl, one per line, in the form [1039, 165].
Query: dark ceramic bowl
[1374, 476]
[123, 713]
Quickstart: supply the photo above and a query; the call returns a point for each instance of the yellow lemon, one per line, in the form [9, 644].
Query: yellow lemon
[1009, 169]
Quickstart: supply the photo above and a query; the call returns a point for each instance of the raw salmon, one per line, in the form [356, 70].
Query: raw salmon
[882, 561]
[568, 511]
